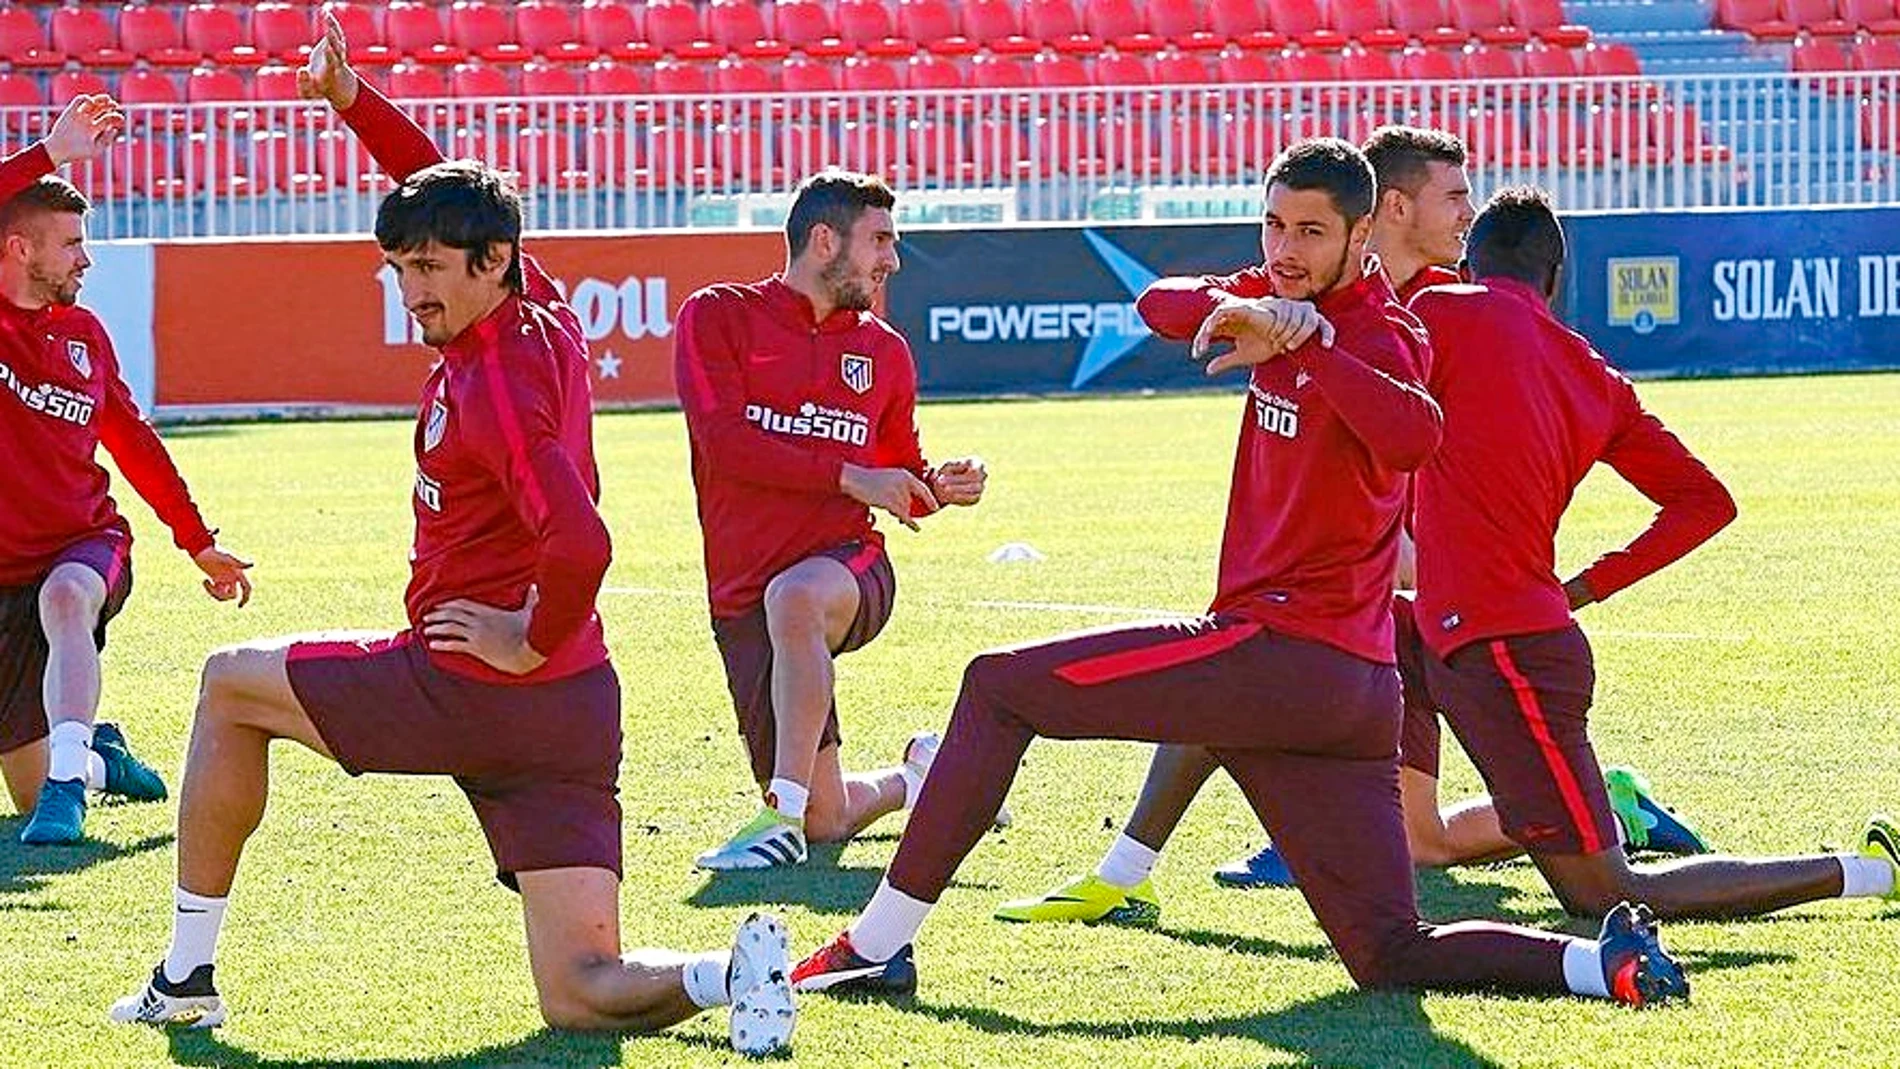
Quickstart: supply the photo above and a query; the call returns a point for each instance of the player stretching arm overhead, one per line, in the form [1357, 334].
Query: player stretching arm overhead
[502, 678]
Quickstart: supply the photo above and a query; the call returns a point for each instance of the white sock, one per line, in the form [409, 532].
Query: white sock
[913, 784]
[195, 923]
[1864, 877]
[888, 923]
[95, 771]
[787, 797]
[71, 743]
[1583, 969]
[704, 977]
[1128, 862]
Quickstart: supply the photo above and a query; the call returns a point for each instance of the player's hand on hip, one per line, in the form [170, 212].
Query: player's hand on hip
[959, 481]
[83, 131]
[496, 637]
[224, 574]
[327, 74]
[894, 490]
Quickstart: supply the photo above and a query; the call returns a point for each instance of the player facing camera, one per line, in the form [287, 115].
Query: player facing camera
[452, 232]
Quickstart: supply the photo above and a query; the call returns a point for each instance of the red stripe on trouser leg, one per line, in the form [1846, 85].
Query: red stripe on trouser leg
[1533, 710]
[1139, 662]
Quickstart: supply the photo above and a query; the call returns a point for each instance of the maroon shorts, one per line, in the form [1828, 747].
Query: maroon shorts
[540, 763]
[1520, 707]
[1418, 733]
[23, 641]
[745, 645]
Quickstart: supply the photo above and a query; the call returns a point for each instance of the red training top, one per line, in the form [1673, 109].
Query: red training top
[506, 484]
[776, 404]
[1529, 408]
[1313, 518]
[61, 398]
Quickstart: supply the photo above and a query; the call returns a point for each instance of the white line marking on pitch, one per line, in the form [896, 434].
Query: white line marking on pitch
[1063, 606]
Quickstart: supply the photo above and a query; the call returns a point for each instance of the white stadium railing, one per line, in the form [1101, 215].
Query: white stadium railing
[999, 155]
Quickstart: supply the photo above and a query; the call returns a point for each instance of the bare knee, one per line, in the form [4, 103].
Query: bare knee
[236, 681]
[793, 607]
[68, 599]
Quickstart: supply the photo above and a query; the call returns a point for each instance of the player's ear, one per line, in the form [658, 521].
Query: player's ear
[495, 260]
[1555, 283]
[1394, 202]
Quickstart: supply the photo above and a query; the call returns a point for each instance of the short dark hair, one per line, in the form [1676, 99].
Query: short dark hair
[835, 198]
[1329, 164]
[1517, 235]
[49, 194]
[462, 204]
[1400, 155]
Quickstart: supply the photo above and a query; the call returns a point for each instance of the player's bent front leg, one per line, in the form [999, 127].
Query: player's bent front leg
[70, 601]
[585, 983]
[245, 701]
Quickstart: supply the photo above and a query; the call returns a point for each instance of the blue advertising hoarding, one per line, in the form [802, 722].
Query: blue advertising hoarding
[1051, 309]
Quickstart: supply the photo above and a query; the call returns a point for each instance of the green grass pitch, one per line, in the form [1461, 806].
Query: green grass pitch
[1756, 683]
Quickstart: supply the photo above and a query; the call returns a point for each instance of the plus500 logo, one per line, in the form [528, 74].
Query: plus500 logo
[637, 307]
[832, 425]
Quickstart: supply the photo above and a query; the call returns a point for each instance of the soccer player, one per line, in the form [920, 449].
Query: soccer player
[1418, 231]
[1503, 656]
[801, 409]
[502, 678]
[65, 552]
[1289, 676]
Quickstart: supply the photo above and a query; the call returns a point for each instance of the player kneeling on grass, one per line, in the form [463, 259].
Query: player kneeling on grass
[800, 405]
[65, 552]
[502, 679]
[1288, 678]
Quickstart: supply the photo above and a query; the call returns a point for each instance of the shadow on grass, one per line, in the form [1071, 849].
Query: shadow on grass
[1346, 1028]
[24, 869]
[1248, 944]
[546, 1047]
[1467, 894]
[820, 885]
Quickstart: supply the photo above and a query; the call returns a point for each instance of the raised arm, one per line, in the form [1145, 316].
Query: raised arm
[397, 143]
[1175, 307]
[82, 132]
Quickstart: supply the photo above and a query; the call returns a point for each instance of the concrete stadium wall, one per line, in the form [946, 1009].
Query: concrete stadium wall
[208, 327]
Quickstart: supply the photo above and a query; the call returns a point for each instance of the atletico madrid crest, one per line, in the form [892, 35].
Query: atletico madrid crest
[856, 371]
[82, 359]
[437, 426]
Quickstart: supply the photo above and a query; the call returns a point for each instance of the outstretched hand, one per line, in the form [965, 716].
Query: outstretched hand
[327, 75]
[83, 131]
[224, 574]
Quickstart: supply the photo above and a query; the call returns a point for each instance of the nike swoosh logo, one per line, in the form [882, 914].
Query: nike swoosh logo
[831, 979]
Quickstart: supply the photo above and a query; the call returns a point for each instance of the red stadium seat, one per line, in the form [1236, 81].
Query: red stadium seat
[1121, 68]
[411, 81]
[148, 86]
[1545, 19]
[544, 26]
[1121, 23]
[1295, 17]
[1429, 65]
[85, 34]
[1366, 22]
[413, 28]
[1551, 63]
[927, 71]
[213, 29]
[673, 78]
[473, 25]
[800, 74]
[1181, 68]
[274, 81]
[609, 24]
[475, 79]
[21, 32]
[735, 23]
[1368, 66]
[1177, 20]
[1762, 18]
[152, 32]
[864, 22]
[280, 29]
[1237, 20]
[1055, 70]
[925, 21]
[20, 90]
[207, 85]
[606, 77]
[1247, 68]
[75, 83]
[1881, 54]
[542, 79]
[1821, 55]
[1815, 16]
[996, 24]
[737, 74]
[866, 74]
[1050, 20]
[999, 72]
[672, 24]
[1612, 60]
[1490, 63]
[801, 23]
[1300, 66]
[1877, 17]
[362, 22]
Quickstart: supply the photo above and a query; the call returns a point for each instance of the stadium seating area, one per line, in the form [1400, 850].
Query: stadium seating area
[1511, 75]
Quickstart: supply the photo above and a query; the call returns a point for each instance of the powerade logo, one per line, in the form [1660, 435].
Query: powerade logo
[1645, 292]
[1112, 329]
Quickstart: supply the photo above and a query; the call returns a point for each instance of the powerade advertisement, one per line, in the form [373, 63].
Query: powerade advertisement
[1731, 292]
[1051, 309]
